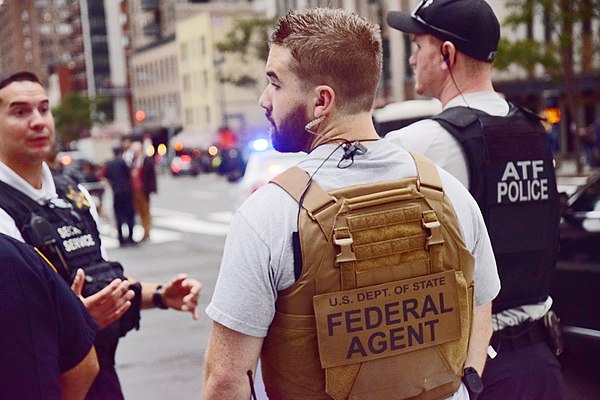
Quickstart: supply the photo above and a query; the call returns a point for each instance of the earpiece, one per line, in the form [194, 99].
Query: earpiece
[314, 123]
[446, 55]
[446, 58]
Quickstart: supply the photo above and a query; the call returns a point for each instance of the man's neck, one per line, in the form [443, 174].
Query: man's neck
[32, 173]
[462, 84]
[346, 128]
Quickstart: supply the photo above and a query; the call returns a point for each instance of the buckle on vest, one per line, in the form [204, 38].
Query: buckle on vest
[343, 238]
[433, 226]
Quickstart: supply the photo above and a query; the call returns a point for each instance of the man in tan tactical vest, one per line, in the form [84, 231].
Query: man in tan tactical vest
[363, 273]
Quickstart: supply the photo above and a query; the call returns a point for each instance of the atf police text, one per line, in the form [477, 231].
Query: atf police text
[523, 181]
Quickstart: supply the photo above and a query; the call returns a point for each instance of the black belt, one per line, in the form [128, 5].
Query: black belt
[517, 337]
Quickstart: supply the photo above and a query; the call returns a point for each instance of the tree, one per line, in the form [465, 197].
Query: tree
[566, 48]
[248, 40]
[75, 116]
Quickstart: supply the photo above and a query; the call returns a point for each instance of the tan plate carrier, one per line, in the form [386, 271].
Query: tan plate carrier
[383, 307]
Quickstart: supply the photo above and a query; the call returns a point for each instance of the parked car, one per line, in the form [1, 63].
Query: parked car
[184, 164]
[576, 284]
[261, 167]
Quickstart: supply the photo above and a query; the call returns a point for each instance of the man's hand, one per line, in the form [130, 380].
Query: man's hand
[181, 293]
[109, 304]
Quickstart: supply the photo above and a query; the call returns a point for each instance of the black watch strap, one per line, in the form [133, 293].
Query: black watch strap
[157, 299]
[472, 381]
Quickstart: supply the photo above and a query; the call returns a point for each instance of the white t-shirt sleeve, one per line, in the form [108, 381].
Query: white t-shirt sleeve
[8, 227]
[476, 238]
[427, 137]
[255, 264]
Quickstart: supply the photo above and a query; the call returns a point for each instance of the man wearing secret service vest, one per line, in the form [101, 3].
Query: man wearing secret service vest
[502, 154]
[55, 215]
[363, 273]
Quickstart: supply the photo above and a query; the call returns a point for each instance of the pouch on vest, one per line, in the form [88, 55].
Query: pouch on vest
[383, 307]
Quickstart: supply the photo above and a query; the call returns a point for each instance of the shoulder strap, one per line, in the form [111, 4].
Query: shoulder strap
[298, 184]
[466, 126]
[16, 204]
[456, 120]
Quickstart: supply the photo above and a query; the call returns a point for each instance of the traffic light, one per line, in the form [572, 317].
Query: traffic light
[140, 115]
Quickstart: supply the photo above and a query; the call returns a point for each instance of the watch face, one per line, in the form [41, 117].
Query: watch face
[472, 380]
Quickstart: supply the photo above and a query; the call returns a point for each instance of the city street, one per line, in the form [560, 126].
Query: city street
[164, 359]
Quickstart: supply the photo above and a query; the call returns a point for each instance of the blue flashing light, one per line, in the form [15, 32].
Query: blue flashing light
[260, 144]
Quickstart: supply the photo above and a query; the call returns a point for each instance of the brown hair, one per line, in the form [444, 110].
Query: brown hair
[337, 48]
[19, 77]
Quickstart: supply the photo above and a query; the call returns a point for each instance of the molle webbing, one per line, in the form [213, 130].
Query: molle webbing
[390, 240]
[354, 240]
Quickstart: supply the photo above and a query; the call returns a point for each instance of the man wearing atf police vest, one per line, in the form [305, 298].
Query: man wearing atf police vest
[56, 216]
[361, 273]
[502, 154]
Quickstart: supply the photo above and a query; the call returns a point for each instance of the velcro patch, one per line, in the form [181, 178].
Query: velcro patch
[385, 320]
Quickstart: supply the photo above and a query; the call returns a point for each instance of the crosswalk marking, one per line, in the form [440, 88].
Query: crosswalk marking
[192, 226]
[170, 225]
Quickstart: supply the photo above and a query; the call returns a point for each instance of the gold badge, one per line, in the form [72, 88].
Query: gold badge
[77, 197]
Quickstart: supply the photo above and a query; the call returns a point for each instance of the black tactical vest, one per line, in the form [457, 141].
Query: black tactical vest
[65, 231]
[511, 175]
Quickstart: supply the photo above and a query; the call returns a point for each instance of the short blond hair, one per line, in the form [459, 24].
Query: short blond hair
[337, 48]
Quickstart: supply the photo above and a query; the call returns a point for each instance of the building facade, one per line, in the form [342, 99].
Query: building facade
[176, 70]
[39, 32]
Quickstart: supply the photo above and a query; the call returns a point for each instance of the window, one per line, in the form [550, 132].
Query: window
[184, 52]
[186, 83]
[189, 116]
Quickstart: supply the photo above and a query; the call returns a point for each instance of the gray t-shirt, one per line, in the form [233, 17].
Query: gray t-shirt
[258, 258]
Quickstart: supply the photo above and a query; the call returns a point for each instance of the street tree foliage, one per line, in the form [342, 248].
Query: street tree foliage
[247, 42]
[566, 48]
[568, 38]
[75, 116]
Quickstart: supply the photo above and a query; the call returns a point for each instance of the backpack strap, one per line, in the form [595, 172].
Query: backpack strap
[430, 182]
[298, 184]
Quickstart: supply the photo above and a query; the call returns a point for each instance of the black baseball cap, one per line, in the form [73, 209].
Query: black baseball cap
[470, 25]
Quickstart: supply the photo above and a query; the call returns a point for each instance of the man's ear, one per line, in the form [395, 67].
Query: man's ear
[448, 52]
[323, 101]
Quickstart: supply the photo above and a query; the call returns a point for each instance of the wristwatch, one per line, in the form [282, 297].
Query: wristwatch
[472, 381]
[157, 299]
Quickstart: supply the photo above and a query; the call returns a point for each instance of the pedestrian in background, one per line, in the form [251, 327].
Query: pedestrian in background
[306, 253]
[47, 336]
[502, 153]
[58, 217]
[118, 175]
[143, 175]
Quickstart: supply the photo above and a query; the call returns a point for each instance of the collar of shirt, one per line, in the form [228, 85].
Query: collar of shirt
[488, 102]
[46, 193]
